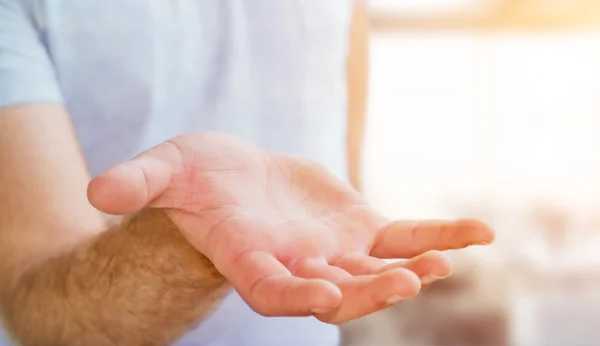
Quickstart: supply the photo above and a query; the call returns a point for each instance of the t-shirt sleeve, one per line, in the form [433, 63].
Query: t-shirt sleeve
[27, 74]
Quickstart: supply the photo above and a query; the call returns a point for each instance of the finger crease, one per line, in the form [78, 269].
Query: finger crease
[414, 238]
[381, 234]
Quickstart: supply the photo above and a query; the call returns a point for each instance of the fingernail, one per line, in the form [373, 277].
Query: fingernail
[393, 300]
[429, 279]
[318, 311]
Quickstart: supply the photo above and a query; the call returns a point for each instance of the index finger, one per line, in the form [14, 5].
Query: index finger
[407, 239]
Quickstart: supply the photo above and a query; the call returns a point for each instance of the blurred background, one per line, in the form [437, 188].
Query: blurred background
[490, 109]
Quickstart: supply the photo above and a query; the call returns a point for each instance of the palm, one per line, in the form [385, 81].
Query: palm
[291, 238]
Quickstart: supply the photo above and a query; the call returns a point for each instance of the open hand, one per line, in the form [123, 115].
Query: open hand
[292, 239]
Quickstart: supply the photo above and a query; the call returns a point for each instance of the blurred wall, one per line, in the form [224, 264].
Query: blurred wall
[491, 112]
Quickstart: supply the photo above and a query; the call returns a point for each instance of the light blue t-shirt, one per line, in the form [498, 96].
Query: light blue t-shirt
[133, 73]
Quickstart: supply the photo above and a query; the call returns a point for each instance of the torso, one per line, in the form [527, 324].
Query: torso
[134, 73]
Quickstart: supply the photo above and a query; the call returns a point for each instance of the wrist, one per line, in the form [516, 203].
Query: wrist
[163, 239]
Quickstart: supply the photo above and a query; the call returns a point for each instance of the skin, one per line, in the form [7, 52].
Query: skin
[203, 209]
[291, 238]
[100, 294]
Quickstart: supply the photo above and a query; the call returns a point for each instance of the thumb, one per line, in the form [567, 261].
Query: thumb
[129, 187]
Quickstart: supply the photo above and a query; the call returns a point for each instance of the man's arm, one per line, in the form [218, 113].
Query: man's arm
[66, 281]
[357, 72]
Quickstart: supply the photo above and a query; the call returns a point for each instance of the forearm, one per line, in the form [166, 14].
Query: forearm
[139, 283]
